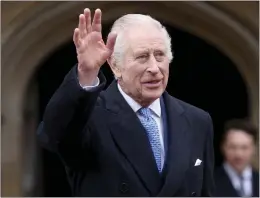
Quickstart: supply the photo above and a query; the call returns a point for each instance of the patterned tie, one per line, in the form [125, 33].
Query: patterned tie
[153, 134]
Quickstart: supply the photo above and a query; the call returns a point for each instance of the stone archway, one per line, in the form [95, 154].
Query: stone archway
[32, 29]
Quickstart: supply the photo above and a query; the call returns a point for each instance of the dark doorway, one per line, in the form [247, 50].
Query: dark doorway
[199, 75]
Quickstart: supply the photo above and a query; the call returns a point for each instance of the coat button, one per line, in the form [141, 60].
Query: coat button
[124, 188]
[193, 194]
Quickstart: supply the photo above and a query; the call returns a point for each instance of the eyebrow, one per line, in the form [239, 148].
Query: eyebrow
[138, 52]
[160, 50]
[142, 51]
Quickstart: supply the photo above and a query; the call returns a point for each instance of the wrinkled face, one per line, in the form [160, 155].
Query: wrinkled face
[238, 149]
[145, 66]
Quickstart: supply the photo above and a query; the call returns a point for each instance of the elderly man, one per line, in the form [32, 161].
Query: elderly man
[132, 139]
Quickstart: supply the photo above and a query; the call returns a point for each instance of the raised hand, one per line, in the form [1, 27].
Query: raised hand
[92, 52]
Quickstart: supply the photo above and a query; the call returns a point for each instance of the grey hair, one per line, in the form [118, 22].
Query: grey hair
[127, 21]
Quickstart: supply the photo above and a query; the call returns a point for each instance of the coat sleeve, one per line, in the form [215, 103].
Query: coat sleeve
[65, 117]
[208, 176]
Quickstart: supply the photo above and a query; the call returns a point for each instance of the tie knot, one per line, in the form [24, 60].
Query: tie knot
[146, 112]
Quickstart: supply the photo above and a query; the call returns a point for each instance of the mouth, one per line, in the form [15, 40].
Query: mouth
[153, 83]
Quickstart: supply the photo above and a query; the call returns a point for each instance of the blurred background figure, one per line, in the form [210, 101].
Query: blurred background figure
[236, 177]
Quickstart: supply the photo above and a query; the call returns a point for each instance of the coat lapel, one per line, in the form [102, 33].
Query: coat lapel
[226, 184]
[178, 155]
[130, 137]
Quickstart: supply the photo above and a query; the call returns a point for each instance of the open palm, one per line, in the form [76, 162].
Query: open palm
[92, 52]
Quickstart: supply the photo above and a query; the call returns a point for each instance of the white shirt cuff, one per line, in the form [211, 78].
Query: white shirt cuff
[95, 84]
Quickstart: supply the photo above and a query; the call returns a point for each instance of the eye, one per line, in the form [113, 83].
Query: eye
[143, 56]
[159, 55]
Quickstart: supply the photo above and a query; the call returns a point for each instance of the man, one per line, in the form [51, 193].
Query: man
[236, 177]
[132, 139]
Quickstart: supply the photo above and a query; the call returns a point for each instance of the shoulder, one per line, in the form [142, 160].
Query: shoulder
[192, 112]
[198, 120]
[191, 109]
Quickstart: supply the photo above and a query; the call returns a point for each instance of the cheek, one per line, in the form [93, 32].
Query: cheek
[164, 68]
[249, 153]
[165, 73]
[230, 153]
[137, 73]
[133, 76]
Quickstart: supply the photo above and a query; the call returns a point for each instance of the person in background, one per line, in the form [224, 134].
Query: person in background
[236, 177]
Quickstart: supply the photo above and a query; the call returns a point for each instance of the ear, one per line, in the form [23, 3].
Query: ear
[112, 63]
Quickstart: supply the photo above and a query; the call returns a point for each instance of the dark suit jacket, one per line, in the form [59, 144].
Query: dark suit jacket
[106, 151]
[224, 187]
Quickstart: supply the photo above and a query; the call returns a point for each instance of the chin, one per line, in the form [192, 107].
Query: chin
[152, 95]
[239, 167]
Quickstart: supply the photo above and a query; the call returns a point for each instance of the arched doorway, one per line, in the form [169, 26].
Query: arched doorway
[199, 74]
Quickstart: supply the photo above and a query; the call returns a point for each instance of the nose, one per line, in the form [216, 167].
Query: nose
[153, 66]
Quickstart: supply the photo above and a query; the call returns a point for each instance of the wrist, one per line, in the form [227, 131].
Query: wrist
[87, 78]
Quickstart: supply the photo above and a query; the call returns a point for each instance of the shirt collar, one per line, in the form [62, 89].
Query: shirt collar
[247, 172]
[155, 106]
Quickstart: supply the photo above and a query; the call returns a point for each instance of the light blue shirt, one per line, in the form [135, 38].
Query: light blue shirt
[234, 178]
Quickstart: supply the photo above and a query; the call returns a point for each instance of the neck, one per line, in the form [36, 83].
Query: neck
[236, 169]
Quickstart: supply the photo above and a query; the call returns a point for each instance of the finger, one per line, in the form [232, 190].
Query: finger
[76, 37]
[96, 37]
[82, 25]
[96, 24]
[87, 14]
[111, 40]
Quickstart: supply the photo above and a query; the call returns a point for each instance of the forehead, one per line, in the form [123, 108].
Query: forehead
[144, 38]
[238, 137]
